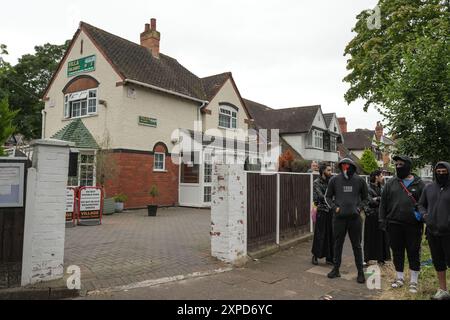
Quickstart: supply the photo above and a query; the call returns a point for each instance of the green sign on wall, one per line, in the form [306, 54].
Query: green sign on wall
[82, 65]
[149, 122]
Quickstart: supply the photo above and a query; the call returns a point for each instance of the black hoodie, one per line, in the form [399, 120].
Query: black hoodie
[435, 206]
[396, 206]
[350, 195]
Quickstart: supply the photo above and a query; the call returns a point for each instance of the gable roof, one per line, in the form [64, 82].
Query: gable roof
[77, 132]
[213, 84]
[328, 118]
[134, 62]
[291, 120]
[359, 139]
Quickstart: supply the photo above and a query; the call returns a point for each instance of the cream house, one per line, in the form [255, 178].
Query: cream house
[112, 94]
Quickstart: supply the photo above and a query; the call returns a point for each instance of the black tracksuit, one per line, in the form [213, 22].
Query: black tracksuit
[435, 206]
[350, 195]
[397, 215]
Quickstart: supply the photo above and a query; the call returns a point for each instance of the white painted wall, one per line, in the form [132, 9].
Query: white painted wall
[45, 225]
[229, 214]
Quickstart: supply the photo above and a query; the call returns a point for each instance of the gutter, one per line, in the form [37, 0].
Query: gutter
[204, 102]
[44, 116]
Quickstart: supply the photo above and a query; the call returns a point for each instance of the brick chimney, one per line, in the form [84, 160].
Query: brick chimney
[343, 124]
[379, 131]
[150, 38]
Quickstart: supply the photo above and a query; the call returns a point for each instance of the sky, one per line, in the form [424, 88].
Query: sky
[285, 53]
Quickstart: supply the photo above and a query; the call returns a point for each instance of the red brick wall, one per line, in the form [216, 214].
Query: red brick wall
[136, 177]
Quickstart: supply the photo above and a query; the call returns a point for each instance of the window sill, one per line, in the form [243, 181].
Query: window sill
[160, 171]
[83, 117]
[314, 148]
[229, 129]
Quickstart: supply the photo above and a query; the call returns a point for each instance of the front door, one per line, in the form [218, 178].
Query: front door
[207, 178]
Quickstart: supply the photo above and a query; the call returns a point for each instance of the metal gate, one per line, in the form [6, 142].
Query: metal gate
[12, 219]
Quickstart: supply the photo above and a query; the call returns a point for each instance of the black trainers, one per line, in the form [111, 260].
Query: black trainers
[315, 261]
[361, 277]
[329, 262]
[334, 273]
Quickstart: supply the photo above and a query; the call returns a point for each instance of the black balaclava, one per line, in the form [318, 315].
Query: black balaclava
[404, 171]
[442, 179]
[348, 170]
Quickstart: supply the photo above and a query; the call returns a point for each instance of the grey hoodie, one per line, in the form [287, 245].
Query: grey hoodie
[350, 195]
[435, 206]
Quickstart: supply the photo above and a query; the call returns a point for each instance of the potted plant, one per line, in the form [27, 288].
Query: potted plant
[120, 199]
[154, 192]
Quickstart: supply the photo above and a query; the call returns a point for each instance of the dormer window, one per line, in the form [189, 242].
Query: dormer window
[80, 104]
[227, 117]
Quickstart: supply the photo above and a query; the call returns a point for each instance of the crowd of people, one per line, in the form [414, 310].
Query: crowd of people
[396, 214]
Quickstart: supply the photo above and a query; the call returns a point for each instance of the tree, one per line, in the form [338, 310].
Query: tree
[301, 166]
[6, 119]
[402, 70]
[25, 83]
[285, 161]
[368, 162]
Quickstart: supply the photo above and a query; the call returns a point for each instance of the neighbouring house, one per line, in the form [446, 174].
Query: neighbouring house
[306, 131]
[358, 141]
[130, 99]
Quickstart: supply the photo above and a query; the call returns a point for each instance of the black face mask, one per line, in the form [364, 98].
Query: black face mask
[442, 179]
[404, 172]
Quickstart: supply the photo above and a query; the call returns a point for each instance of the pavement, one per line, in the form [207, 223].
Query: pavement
[131, 247]
[286, 275]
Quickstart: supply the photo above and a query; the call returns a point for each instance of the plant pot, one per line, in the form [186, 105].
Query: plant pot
[109, 206]
[119, 206]
[152, 210]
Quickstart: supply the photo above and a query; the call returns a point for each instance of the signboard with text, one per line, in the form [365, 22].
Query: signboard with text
[149, 122]
[70, 207]
[12, 185]
[82, 65]
[90, 206]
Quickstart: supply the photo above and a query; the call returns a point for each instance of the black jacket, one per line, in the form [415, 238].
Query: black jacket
[396, 206]
[373, 204]
[435, 206]
[348, 195]
[320, 188]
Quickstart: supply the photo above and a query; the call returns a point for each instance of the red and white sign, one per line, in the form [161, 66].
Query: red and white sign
[70, 205]
[90, 204]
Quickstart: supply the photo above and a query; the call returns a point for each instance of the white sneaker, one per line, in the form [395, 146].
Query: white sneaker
[398, 284]
[441, 295]
[413, 287]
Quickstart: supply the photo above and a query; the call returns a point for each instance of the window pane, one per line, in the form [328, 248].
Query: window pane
[92, 106]
[207, 194]
[224, 121]
[83, 108]
[190, 174]
[234, 124]
[93, 94]
[159, 161]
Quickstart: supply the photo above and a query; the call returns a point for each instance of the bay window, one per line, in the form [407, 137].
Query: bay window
[315, 139]
[333, 145]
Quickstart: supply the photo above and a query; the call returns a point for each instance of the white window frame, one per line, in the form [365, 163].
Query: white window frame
[232, 114]
[80, 165]
[315, 140]
[155, 162]
[333, 143]
[83, 99]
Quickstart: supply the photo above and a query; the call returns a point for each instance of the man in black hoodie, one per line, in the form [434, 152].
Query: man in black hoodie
[399, 215]
[346, 196]
[435, 207]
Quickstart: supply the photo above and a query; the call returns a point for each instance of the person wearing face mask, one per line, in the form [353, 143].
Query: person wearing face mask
[400, 217]
[346, 196]
[376, 244]
[435, 207]
[323, 233]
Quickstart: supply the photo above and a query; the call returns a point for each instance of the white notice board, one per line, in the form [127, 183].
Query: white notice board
[12, 185]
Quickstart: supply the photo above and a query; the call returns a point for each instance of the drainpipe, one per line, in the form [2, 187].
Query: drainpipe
[44, 116]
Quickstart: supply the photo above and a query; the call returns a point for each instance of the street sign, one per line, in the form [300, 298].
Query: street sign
[82, 65]
[149, 122]
[90, 206]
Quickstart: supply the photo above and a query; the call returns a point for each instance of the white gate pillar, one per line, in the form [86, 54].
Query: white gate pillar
[45, 226]
[229, 214]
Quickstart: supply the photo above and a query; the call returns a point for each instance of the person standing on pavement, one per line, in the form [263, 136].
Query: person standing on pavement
[376, 244]
[400, 216]
[346, 196]
[323, 233]
[435, 207]
[314, 168]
